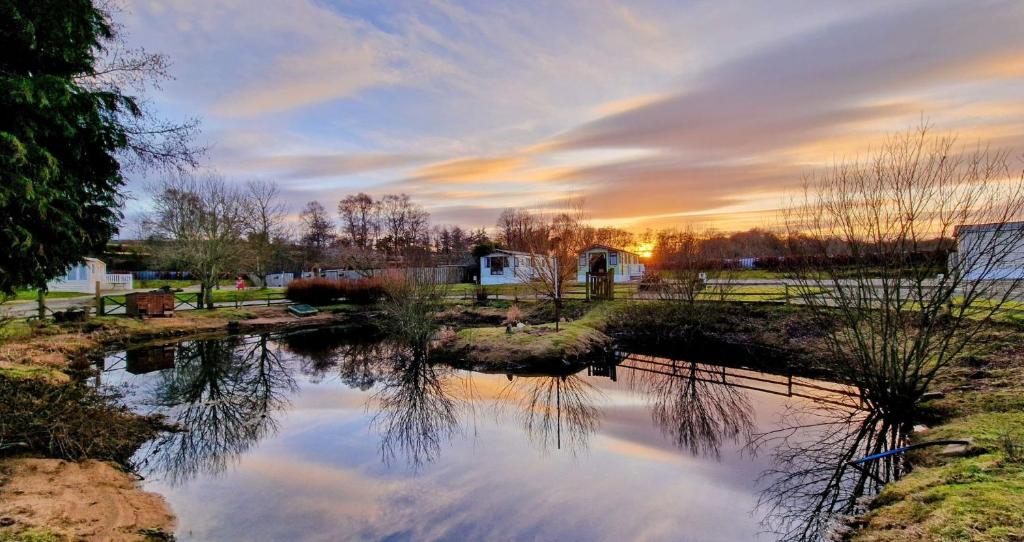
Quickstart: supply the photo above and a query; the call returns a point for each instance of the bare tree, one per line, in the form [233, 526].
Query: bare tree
[152, 142]
[863, 225]
[199, 221]
[553, 247]
[404, 224]
[360, 220]
[518, 229]
[264, 224]
[317, 231]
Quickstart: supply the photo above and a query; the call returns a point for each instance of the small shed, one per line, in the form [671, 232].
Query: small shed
[512, 267]
[622, 264]
[989, 251]
[155, 303]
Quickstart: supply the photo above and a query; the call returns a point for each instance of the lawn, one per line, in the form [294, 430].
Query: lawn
[32, 295]
[223, 296]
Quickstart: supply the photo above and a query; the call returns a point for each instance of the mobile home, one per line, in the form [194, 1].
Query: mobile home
[512, 267]
[83, 277]
[624, 265]
[989, 251]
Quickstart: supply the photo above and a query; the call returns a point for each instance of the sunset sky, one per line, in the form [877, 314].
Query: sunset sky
[656, 113]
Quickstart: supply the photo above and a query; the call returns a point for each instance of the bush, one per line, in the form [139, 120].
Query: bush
[364, 291]
[327, 291]
[314, 291]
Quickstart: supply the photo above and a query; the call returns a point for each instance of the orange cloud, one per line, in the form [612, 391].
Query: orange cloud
[470, 170]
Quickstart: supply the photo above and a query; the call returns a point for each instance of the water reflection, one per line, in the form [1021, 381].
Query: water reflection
[226, 395]
[555, 411]
[417, 409]
[221, 395]
[812, 482]
[694, 405]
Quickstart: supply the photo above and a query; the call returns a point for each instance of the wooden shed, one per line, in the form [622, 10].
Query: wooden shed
[145, 304]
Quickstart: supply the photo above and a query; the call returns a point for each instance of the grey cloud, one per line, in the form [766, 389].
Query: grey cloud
[807, 86]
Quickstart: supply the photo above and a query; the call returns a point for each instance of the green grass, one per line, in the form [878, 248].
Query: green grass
[31, 535]
[160, 283]
[222, 296]
[972, 498]
[33, 294]
[33, 371]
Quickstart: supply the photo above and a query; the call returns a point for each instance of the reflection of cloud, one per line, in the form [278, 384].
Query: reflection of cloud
[636, 450]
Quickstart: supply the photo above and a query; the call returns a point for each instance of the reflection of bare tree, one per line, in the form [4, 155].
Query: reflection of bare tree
[417, 409]
[221, 394]
[811, 483]
[696, 413]
[556, 410]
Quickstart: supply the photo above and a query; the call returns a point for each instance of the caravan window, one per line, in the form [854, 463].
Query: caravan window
[613, 259]
[498, 264]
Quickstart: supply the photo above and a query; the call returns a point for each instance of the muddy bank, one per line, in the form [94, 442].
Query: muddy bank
[87, 500]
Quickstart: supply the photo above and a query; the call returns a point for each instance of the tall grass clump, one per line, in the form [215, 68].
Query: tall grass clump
[410, 304]
[68, 421]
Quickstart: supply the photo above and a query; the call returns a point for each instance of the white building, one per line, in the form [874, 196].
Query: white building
[83, 277]
[512, 267]
[989, 251]
[279, 280]
[622, 264]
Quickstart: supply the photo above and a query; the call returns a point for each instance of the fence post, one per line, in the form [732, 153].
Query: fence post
[41, 301]
[786, 286]
[99, 296]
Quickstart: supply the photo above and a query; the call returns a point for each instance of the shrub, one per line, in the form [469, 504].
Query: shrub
[327, 291]
[314, 291]
[364, 291]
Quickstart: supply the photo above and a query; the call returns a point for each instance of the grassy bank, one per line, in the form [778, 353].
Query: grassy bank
[979, 497]
[943, 498]
[537, 346]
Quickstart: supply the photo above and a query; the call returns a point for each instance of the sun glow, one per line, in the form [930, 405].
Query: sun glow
[645, 250]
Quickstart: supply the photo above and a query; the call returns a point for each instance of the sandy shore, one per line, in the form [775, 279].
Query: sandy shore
[87, 500]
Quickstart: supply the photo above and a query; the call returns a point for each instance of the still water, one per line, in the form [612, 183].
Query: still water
[308, 437]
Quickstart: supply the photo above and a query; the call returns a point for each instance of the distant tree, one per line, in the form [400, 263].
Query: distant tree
[73, 116]
[265, 216]
[317, 231]
[360, 220]
[518, 229]
[483, 249]
[614, 237]
[405, 225]
[200, 222]
[452, 244]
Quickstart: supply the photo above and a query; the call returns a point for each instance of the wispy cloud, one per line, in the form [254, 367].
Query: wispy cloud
[655, 111]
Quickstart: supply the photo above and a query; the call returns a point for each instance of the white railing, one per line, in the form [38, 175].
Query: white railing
[117, 281]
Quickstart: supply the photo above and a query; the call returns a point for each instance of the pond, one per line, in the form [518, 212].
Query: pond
[311, 436]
